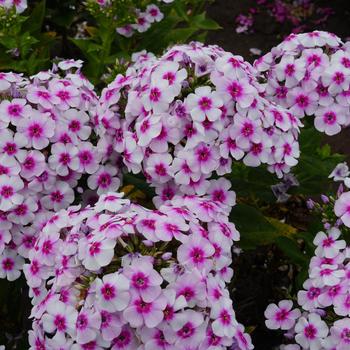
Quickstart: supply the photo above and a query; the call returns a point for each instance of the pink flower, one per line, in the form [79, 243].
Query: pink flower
[104, 180]
[9, 188]
[87, 325]
[327, 245]
[330, 119]
[96, 252]
[14, 111]
[112, 292]
[37, 129]
[281, 316]
[311, 331]
[59, 317]
[141, 312]
[59, 196]
[195, 252]
[340, 331]
[188, 329]
[63, 157]
[10, 265]
[204, 104]
[224, 318]
[144, 280]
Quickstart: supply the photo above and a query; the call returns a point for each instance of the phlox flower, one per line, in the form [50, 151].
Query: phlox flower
[10, 265]
[281, 316]
[311, 331]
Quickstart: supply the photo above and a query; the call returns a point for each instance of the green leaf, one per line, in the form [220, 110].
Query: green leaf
[34, 23]
[254, 228]
[202, 22]
[291, 249]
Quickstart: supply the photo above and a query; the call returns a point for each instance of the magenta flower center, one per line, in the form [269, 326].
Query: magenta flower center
[330, 118]
[235, 90]
[60, 323]
[205, 103]
[7, 191]
[186, 331]
[95, 248]
[35, 130]
[155, 95]
[15, 110]
[140, 280]
[108, 291]
[310, 331]
[8, 264]
[56, 196]
[197, 255]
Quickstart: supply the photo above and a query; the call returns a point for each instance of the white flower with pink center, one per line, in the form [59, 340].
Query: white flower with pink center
[205, 158]
[170, 73]
[302, 101]
[148, 129]
[153, 14]
[290, 70]
[328, 244]
[37, 129]
[104, 179]
[240, 91]
[225, 323]
[23, 213]
[311, 331]
[330, 119]
[87, 326]
[112, 292]
[204, 104]
[336, 79]
[158, 167]
[10, 265]
[58, 197]
[41, 96]
[159, 97]
[281, 316]
[9, 188]
[76, 123]
[340, 331]
[96, 252]
[59, 318]
[33, 164]
[88, 157]
[144, 280]
[167, 228]
[244, 131]
[11, 144]
[68, 95]
[188, 329]
[139, 312]
[195, 252]
[63, 158]
[14, 111]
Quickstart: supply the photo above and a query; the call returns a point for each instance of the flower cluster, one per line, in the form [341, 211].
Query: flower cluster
[187, 115]
[119, 276]
[47, 155]
[143, 18]
[310, 75]
[19, 5]
[324, 319]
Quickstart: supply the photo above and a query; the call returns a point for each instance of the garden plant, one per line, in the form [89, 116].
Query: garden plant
[141, 169]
